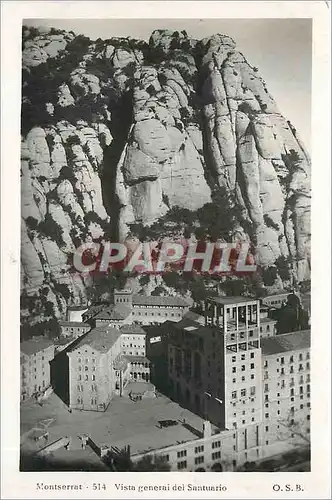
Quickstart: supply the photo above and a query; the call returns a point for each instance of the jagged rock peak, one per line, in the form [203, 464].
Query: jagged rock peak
[121, 137]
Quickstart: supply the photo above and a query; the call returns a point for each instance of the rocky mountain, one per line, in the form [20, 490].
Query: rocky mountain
[118, 134]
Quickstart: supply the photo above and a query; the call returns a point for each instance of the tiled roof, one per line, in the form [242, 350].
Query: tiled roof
[135, 329]
[158, 300]
[286, 342]
[194, 317]
[231, 300]
[137, 359]
[277, 296]
[93, 310]
[267, 320]
[117, 312]
[77, 308]
[190, 326]
[65, 340]
[33, 346]
[101, 339]
[73, 324]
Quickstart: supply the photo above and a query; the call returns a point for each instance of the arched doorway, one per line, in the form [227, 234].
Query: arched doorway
[217, 467]
[200, 469]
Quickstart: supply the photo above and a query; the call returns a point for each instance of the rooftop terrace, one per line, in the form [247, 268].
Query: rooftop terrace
[125, 422]
[286, 342]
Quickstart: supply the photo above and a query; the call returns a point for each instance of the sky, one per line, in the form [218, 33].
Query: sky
[280, 48]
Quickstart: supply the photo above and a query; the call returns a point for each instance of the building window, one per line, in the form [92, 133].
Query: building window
[266, 387]
[182, 465]
[233, 359]
[79, 377]
[252, 391]
[216, 444]
[291, 359]
[308, 366]
[300, 367]
[301, 407]
[267, 428]
[243, 357]
[199, 449]
[199, 460]
[243, 379]
[300, 357]
[216, 455]
[282, 361]
[252, 354]
[234, 369]
[252, 376]
[234, 395]
[252, 366]
[86, 368]
[267, 415]
[243, 368]
[243, 393]
[182, 453]
[93, 377]
[265, 364]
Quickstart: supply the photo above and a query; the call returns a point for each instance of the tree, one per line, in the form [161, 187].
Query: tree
[292, 316]
[31, 223]
[120, 461]
[295, 428]
[151, 463]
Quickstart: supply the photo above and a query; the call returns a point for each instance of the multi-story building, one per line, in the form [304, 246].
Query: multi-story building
[217, 371]
[75, 313]
[286, 388]
[113, 315]
[133, 340]
[73, 328]
[275, 301]
[36, 355]
[131, 308]
[155, 309]
[267, 327]
[87, 373]
[216, 368]
[83, 374]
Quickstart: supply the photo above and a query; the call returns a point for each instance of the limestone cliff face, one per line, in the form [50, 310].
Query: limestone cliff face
[118, 132]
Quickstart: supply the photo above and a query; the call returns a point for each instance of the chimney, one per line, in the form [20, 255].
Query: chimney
[207, 429]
